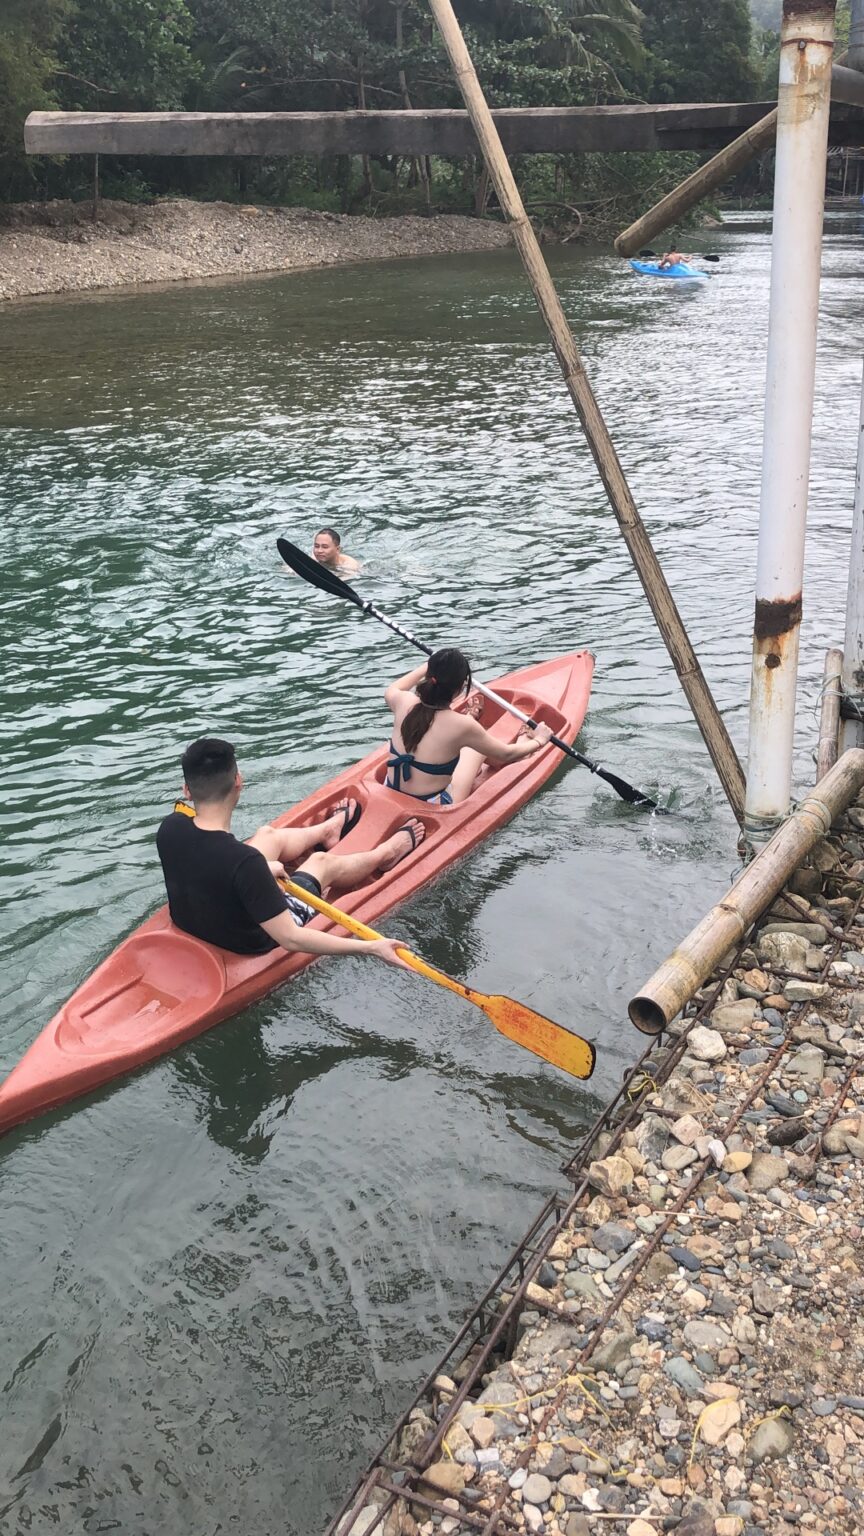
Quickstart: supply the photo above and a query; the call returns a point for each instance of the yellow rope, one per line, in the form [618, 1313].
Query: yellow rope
[640, 1083]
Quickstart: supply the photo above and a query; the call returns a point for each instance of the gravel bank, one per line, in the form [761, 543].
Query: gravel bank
[722, 1394]
[57, 247]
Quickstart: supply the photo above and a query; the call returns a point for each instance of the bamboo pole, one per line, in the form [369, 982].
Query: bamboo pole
[612, 474]
[679, 977]
[703, 181]
[829, 718]
[846, 86]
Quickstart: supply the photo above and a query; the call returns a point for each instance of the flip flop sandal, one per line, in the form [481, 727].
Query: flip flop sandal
[410, 831]
[351, 817]
[350, 821]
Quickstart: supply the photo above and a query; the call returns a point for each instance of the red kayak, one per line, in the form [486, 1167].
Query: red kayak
[161, 987]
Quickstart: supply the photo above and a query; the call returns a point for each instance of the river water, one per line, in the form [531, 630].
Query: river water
[224, 1276]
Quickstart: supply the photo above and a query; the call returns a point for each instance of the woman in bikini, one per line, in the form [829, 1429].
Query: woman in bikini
[436, 751]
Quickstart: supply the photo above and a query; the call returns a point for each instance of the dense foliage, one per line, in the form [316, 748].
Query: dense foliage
[331, 55]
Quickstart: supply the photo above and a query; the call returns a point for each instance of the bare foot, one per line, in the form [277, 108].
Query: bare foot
[336, 825]
[402, 843]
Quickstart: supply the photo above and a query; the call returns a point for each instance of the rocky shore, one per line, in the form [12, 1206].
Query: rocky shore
[689, 1345]
[59, 248]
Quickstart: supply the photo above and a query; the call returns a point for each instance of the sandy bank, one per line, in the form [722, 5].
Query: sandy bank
[58, 248]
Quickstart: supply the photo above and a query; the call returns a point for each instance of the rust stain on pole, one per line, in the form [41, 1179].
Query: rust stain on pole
[776, 617]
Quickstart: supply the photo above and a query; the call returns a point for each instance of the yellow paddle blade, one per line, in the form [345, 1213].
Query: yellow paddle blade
[522, 1025]
[538, 1034]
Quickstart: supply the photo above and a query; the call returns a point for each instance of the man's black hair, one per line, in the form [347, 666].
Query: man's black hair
[336, 537]
[209, 768]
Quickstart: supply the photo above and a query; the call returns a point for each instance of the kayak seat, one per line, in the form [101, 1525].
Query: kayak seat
[132, 1006]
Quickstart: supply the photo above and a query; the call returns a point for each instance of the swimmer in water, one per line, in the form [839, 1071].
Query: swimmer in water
[327, 550]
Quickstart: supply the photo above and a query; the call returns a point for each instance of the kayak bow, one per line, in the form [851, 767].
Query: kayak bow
[161, 987]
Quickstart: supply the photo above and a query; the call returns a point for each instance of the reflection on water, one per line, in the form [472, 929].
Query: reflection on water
[224, 1275]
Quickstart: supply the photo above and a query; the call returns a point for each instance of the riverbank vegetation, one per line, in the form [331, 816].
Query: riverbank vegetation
[337, 55]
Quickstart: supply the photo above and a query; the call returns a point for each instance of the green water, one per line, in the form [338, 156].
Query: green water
[224, 1276]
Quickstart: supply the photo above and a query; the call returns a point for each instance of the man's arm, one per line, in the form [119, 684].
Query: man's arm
[307, 941]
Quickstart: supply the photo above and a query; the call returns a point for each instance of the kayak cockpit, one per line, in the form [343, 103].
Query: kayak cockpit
[166, 978]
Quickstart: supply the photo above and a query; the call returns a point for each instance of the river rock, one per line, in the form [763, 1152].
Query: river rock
[687, 1130]
[613, 1351]
[808, 1063]
[814, 933]
[613, 1238]
[705, 1044]
[704, 1335]
[676, 1158]
[732, 1018]
[766, 1170]
[652, 1136]
[771, 1439]
[717, 1420]
[736, 1162]
[765, 1299]
[583, 1285]
[537, 1489]
[684, 1376]
[369, 1516]
[445, 1477]
[805, 991]
[785, 950]
[611, 1175]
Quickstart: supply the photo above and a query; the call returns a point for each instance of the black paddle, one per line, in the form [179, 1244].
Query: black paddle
[699, 256]
[327, 581]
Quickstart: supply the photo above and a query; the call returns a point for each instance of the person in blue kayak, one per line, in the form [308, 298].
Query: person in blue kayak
[671, 259]
[437, 750]
[225, 892]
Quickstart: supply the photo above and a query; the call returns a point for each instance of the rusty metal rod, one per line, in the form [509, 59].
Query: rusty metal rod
[620, 496]
[679, 977]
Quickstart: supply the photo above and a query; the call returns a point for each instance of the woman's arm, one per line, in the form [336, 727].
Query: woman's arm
[404, 684]
[497, 751]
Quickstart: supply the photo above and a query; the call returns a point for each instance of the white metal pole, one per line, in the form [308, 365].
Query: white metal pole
[852, 729]
[804, 100]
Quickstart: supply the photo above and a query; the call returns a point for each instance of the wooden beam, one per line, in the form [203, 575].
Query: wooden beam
[535, 130]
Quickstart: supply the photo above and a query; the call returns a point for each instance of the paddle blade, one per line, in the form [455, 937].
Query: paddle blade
[629, 793]
[317, 575]
[535, 1033]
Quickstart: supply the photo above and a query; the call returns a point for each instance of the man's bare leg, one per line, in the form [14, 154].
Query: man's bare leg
[347, 870]
[288, 845]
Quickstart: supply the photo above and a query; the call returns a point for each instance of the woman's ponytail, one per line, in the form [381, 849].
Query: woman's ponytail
[447, 675]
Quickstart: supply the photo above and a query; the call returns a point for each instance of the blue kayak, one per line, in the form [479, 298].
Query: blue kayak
[681, 270]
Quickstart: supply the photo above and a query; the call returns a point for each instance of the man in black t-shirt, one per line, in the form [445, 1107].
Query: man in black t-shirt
[225, 891]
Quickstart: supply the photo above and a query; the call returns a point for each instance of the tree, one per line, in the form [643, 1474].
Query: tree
[697, 52]
[28, 29]
[126, 55]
